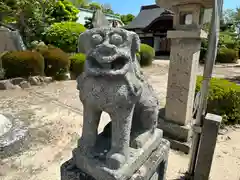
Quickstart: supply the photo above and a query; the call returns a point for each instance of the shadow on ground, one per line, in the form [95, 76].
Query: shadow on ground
[235, 79]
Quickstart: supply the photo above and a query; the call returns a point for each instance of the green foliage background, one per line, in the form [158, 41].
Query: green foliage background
[64, 35]
[223, 99]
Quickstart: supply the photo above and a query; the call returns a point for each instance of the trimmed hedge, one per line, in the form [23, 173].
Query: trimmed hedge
[77, 63]
[22, 64]
[223, 99]
[226, 55]
[56, 62]
[228, 51]
[147, 54]
[64, 35]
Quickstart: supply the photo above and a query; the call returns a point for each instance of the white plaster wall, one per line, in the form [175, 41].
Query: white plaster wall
[157, 43]
[81, 16]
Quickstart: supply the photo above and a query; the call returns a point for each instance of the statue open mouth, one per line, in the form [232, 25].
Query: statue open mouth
[114, 63]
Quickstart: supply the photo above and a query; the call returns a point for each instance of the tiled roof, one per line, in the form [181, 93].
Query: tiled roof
[146, 16]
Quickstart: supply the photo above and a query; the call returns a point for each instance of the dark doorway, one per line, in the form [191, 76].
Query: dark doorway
[147, 40]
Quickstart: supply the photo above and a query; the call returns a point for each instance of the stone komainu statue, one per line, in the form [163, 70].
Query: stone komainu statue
[113, 82]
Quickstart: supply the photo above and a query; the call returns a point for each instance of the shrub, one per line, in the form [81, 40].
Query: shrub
[226, 55]
[22, 64]
[64, 35]
[147, 54]
[228, 49]
[227, 40]
[56, 61]
[77, 63]
[223, 99]
[37, 45]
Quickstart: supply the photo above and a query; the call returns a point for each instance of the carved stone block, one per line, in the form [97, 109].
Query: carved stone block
[153, 168]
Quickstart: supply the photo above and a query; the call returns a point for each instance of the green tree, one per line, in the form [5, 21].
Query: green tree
[232, 21]
[80, 3]
[94, 6]
[237, 18]
[229, 15]
[64, 35]
[27, 14]
[32, 16]
[126, 19]
[64, 10]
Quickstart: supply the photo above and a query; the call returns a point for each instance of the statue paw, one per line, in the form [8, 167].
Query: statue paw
[140, 139]
[115, 160]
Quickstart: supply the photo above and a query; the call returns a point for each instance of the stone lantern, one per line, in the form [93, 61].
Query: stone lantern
[184, 60]
[188, 13]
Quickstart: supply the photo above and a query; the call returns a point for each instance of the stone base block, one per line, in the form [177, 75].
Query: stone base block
[96, 165]
[152, 168]
[180, 146]
[179, 136]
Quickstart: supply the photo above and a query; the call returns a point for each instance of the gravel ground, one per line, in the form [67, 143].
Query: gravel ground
[54, 116]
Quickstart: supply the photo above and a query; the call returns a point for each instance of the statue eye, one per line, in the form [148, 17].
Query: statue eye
[97, 39]
[116, 39]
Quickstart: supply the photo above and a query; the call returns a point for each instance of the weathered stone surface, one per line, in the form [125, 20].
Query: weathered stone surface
[17, 87]
[6, 85]
[5, 124]
[99, 19]
[178, 113]
[69, 171]
[14, 136]
[113, 82]
[17, 80]
[10, 40]
[182, 80]
[179, 145]
[207, 146]
[175, 131]
[39, 80]
[25, 85]
[154, 168]
[67, 76]
[47, 79]
[96, 164]
[35, 80]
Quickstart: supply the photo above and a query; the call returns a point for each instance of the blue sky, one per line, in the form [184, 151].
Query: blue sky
[133, 6]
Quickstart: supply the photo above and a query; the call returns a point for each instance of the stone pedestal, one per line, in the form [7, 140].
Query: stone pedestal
[184, 60]
[147, 163]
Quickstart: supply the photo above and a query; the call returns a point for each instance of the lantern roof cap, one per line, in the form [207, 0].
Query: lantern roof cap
[169, 4]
